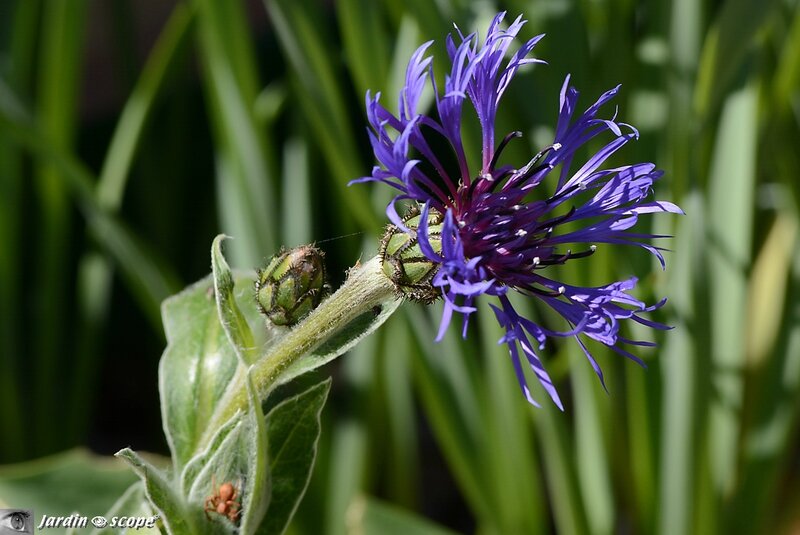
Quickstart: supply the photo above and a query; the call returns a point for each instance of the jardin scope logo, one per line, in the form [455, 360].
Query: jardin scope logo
[16, 521]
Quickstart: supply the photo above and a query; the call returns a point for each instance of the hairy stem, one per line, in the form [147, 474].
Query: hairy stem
[365, 288]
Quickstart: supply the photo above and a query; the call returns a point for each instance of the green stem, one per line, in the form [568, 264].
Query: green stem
[365, 288]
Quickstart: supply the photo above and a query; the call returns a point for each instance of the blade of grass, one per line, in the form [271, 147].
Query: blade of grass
[11, 344]
[168, 50]
[684, 42]
[434, 19]
[641, 405]
[365, 43]
[94, 271]
[592, 455]
[406, 41]
[731, 190]
[558, 468]
[150, 280]
[726, 49]
[768, 291]
[640, 400]
[369, 516]
[297, 221]
[59, 79]
[270, 102]
[122, 22]
[303, 38]
[450, 405]
[23, 18]
[678, 443]
[767, 449]
[787, 72]
[401, 415]
[350, 449]
[245, 179]
[679, 403]
[591, 408]
[509, 456]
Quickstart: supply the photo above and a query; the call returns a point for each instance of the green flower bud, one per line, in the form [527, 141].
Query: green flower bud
[292, 285]
[403, 261]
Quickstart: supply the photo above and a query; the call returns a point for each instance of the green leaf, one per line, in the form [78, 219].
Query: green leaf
[228, 463]
[234, 322]
[162, 496]
[196, 366]
[62, 484]
[238, 454]
[342, 341]
[220, 463]
[368, 516]
[293, 428]
[256, 445]
[196, 464]
[199, 349]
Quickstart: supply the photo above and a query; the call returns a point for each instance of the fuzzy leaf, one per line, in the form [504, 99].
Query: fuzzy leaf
[232, 318]
[293, 428]
[256, 444]
[199, 461]
[199, 360]
[162, 496]
[227, 464]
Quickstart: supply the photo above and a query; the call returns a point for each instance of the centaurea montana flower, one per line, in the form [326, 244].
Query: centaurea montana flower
[493, 236]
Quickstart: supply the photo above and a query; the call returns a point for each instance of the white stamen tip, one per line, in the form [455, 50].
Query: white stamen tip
[536, 260]
[593, 248]
[461, 224]
[487, 176]
[517, 207]
[522, 232]
[561, 289]
[556, 146]
[581, 185]
[502, 250]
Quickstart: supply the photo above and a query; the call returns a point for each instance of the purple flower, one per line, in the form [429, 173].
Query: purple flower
[494, 236]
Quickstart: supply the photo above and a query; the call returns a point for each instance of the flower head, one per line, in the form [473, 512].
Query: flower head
[494, 237]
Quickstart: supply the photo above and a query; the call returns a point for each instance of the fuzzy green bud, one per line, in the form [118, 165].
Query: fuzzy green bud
[407, 267]
[292, 285]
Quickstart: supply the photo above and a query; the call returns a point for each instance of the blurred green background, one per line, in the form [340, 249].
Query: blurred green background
[133, 131]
